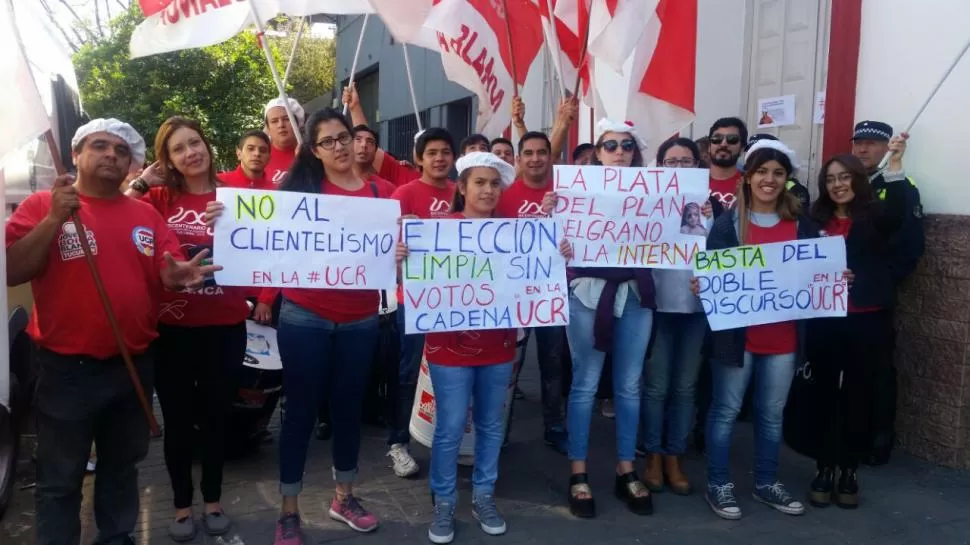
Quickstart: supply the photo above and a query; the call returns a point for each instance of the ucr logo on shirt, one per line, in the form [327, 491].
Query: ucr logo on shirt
[144, 239]
[439, 206]
[530, 209]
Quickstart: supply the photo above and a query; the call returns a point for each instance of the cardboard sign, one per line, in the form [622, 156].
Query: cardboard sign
[770, 283]
[304, 240]
[632, 217]
[468, 274]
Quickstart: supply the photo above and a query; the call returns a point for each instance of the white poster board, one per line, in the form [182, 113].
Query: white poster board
[632, 217]
[471, 274]
[304, 240]
[770, 283]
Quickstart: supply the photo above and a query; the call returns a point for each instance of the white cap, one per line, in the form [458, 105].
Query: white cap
[608, 125]
[295, 107]
[487, 159]
[120, 129]
[775, 145]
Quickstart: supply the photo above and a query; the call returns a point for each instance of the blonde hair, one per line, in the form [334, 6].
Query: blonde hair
[787, 205]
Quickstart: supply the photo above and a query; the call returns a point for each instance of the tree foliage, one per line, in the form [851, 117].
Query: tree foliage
[223, 86]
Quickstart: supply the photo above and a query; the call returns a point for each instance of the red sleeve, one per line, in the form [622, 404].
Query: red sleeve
[268, 296]
[27, 215]
[393, 171]
[157, 198]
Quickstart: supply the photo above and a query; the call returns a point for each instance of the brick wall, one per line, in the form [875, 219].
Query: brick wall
[933, 347]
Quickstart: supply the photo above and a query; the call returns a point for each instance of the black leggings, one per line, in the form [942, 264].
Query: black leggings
[196, 378]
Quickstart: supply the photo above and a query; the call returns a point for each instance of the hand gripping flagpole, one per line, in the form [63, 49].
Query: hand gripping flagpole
[260, 37]
[353, 66]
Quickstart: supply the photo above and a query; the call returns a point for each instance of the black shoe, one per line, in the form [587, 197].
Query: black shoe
[323, 431]
[847, 493]
[627, 487]
[820, 492]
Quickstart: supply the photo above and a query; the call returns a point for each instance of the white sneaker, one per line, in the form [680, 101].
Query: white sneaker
[404, 464]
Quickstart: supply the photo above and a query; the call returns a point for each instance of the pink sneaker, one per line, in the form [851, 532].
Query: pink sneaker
[288, 530]
[353, 514]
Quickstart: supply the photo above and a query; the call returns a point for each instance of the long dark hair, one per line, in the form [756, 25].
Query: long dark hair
[862, 204]
[307, 173]
[786, 206]
[175, 180]
[637, 154]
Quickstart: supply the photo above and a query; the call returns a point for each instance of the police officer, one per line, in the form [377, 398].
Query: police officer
[871, 141]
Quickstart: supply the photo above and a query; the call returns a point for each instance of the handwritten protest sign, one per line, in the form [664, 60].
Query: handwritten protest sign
[483, 274]
[769, 283]
[303, 240]
[632, 217]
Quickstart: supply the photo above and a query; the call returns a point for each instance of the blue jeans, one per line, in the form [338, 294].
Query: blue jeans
[454, 389]
[549, 346]
[315, 350]
[772, 379]
[631, 333]
[409, 364]
[669, 381]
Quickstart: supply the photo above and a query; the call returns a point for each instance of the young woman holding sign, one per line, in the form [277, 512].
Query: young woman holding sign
[324, 335]
[845, 351]
[768, 355]
[609, 310]
[202, 333]
[466, 365]
[670, 376]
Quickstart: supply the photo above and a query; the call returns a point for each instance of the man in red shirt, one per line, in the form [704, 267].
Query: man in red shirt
[383, 163]
[86, 394]
[428, 197]
[282, 137]
[252, 151]
[727, 138]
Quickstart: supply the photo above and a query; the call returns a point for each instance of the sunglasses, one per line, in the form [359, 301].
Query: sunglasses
[626, 145]
[731, 139]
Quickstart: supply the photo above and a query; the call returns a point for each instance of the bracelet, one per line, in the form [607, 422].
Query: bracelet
[139, 185]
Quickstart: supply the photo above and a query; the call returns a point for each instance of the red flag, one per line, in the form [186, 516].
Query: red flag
[151, 7]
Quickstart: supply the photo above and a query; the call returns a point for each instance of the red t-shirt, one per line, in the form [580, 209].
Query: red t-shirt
[128, 239]
[841, 227]
[470, 348]
[424, 201]
[238, 179]
[211, 304]
[725, 189]
[393, 171]
[522, 201]
[781, 337]
[342, 306]
[279, 164]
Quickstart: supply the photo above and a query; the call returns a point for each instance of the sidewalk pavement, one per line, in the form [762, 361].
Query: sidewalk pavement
[906, 502]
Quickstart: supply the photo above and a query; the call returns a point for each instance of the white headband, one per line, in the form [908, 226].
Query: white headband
[487, 159]
[295, 107]
[777, 145]
[608, 125]
[118, 128]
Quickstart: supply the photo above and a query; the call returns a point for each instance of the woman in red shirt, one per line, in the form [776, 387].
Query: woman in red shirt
[202, 332]
[470, 364]
[845, 351]
[765, 355]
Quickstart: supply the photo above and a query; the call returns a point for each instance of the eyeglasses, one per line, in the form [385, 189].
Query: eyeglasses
[329, 142]
[844, 177]
[731, 139]
[627, 145]
[683, 162]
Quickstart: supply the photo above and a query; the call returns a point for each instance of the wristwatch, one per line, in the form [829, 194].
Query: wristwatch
[139, 185]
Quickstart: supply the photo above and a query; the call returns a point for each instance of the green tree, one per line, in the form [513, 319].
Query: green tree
[223, 86]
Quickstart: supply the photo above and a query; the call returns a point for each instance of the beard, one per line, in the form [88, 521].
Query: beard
[725, 161]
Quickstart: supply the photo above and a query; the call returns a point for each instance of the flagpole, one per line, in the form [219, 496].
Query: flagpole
[260, 35]
[414, 99]
[508, 36]
[296, 43]
[353, 66]
[582, 60]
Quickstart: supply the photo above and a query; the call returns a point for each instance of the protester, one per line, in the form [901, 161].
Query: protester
[871, 141]
[86, 394]
[845, 352]
[524, 200]
[388, 167]
[584, 154]
[474, 142]
[609, 309]
[282, 136]
[765, 355]
[428, 197]
[727, 138]
[704, 146]
[793, 186]
[365, 149]
[211, 320]
[504, 149]
[670, 376]
[252, 152]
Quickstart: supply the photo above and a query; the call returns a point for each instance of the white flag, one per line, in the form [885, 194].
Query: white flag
[22, 111]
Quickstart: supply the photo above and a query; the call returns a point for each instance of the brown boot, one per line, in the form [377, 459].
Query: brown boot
[675, 477]
[653, 476]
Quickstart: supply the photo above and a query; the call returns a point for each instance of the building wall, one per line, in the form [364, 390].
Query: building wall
[905, 49]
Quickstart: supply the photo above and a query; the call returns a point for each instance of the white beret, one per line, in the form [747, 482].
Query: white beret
[487, 159]
[608, 125]
[775, 145]
[118, 128]
[295, 107]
